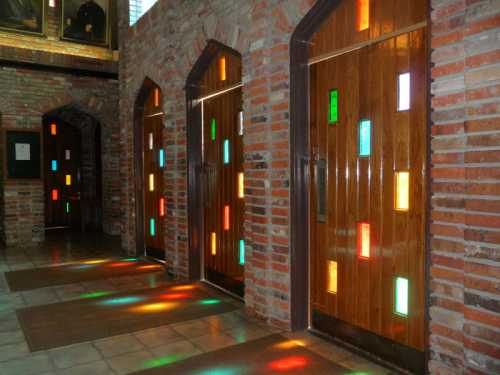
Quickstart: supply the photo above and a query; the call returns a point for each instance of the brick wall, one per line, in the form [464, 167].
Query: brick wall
[163, 45]
[465, 270]
[465, 225]
[31, 94]
[26, 95]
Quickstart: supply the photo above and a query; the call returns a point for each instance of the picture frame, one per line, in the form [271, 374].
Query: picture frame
[86, 21]
[23, 16]
[22, 158]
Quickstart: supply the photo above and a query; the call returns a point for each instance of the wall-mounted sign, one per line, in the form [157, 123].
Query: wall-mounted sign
[22, 157]
[22, 15]
[85, 21]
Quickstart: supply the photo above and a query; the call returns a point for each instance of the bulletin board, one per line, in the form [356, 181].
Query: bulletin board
[22, 154]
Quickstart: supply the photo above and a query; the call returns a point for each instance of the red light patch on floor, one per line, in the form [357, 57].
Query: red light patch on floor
[288, 363]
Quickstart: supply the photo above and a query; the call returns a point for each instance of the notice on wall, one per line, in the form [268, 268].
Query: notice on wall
[23, 151]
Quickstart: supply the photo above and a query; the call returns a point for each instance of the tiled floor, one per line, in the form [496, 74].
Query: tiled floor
[130, 352]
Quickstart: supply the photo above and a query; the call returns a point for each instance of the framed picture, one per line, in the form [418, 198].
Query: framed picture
[85, 21]
[22, 154]
[25, 16]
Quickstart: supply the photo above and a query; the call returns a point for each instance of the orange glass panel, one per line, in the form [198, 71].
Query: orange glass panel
[162, 207]
[332, 277]
[222, 68]
[213, 240]
[363, 14]
[364, 240]
[53, 129]
[226, 217]
[157, 97]
[55, 194]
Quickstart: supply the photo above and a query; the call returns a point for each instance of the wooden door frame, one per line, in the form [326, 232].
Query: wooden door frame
[147, 86]
[194, 156]
[300, 161]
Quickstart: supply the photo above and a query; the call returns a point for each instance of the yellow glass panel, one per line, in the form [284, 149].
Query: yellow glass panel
[402, 191]
[213, 240]
[332, 277]
[68, 180]
[151, 182]
[241, 185]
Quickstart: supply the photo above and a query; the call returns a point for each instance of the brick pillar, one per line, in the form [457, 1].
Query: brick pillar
[465, 230]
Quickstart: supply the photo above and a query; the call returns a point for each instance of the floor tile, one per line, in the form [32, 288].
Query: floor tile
[158, 336]
[93, 368]
[173, 352]
[208, 343]
[14, 351]
[247, 332]
[194, 328]
[73, 355]
[31, 365]
[11, 337]
[127, 363]
[359, 364]
[117, 345]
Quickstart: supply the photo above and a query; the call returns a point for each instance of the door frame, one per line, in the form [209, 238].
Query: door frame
[194, 117]
[147, 86]
[300, 179]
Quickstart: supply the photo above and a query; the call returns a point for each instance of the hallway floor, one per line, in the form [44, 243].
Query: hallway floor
[138, 321]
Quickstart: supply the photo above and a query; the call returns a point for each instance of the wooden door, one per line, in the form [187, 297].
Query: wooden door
[368, 137]
[62, 166]
[154, 161]
[224, 191]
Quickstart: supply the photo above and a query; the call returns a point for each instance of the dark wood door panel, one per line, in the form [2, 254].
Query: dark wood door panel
[154, 163]
[223, 212]
[376, 246]
[62, 166]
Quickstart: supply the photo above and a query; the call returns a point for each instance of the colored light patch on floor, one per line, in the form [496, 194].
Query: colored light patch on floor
[183, 287]
[121, 301]
[288, 363]
[174, 296]
[129, 260]
[154, 307]
[222, 371]
[96, 261]
[82, 266]
[157, 362]
[95, 294]
[289, 344]
[149, 267]
[209, 302]
[121, 264]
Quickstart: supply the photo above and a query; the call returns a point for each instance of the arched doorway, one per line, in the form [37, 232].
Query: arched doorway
[150, 163]
[72, 170]
[359, 180]
[216, 177]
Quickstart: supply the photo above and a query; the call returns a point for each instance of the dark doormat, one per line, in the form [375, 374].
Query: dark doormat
[61, 324]
[272, 354]
[77, 272]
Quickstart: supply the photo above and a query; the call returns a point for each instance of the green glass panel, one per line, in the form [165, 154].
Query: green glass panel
[333, 111]
[213, 129]
[242, 252]
[152, 227]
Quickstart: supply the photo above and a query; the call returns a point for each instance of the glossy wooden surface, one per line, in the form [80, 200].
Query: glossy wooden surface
[153, 125]
[221, 179]
[361, 189]
[340, 29]
[67, 138]
[211, 80]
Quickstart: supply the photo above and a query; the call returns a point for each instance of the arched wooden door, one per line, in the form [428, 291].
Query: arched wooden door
[63, 178]
[152, 159]
[219, 97]
[368, 144]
